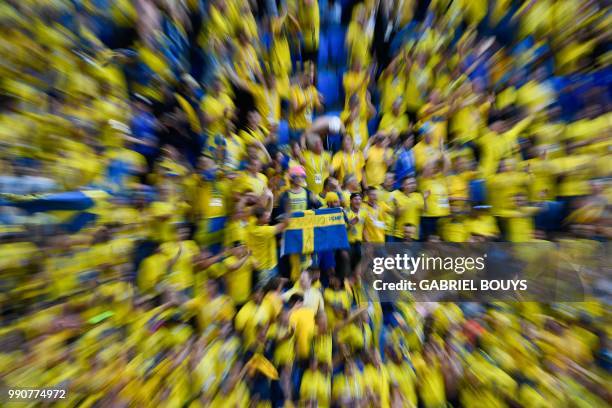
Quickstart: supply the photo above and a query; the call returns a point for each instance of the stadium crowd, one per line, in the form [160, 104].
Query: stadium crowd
[153, 152]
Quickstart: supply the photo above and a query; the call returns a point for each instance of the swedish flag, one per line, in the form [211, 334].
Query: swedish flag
[315, 231]
[73, 209]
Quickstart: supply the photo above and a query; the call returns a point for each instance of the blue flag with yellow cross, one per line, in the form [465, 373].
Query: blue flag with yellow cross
[315, 231]
[73, 210]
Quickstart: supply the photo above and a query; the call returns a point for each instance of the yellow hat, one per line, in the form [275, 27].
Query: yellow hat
[331, 197]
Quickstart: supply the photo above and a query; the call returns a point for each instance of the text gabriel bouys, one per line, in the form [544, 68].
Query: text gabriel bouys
[460, 284]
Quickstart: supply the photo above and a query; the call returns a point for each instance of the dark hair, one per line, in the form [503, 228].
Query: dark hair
[494, 116]
[405, 136]
[353, 195]
[294, 299]
[272, 284]
[259, 211]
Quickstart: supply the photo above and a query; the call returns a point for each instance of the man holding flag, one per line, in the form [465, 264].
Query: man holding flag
[297, 198]
[261, 240]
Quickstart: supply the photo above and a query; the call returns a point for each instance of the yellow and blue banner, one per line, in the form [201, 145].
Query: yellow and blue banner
[315, 231]
[211, 233]
[73, 209]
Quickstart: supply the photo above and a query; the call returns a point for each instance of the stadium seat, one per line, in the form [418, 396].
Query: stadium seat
[323, 58]
[373, 125]
[478, 191]
[329, 86]
[336, 46]
[283, 133]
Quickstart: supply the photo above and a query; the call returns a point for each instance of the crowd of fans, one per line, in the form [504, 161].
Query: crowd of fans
[195, 128]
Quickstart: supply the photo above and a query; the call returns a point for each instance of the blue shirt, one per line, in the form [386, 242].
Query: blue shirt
[143, 128]
[404, 166]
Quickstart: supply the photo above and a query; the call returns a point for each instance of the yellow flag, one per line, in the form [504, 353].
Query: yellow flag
[259, 362]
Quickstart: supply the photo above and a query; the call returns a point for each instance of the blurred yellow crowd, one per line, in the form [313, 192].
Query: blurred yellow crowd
[153, 151]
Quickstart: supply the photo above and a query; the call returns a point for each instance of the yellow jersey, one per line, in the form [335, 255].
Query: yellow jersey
[317, 170]
[409, 208]
[374, 224]
[344, 163]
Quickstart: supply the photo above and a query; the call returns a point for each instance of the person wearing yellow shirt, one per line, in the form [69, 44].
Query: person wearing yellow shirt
[378, 159]
[355, 84]
[376, 381]
[349, 187]
[520, 225]
[316, 162]
[216, 105]
[304, 99]
[219, 24]
[302, 321]
[374, 223]
[385, 194]
[395, 121]
[331, 193]
[355, 119]
[573, 172]
[337, 301]
[166, 212]
[459, 180]
[506, 98]
[408, 204]
[434, 187]
[418, 76]
[284, 352]
[253, 132]
[358, 39]
[182, 254]
[588, 134]
[246, 62]
[535, 18]
[308, 19]
[454, 228]
[151, 271]
[425, 151]
[348, 161]
[280, 54]
[392, 84]
[498, 143]
[315, 387]
[251, 317]
[239, 276]
[356, 216]
[189, 103]
[434, 113]
[297, 199]
[430, 379]
[348, 387]
[502, 188]
[267, 100]
[261, 240]
[211, 202]
[310, 287]
[255, 183]
[481, 224]
[542, 172]
[233, 150]
[534, 96]
[402, 377]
